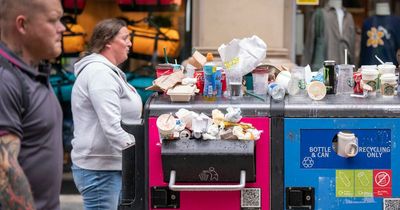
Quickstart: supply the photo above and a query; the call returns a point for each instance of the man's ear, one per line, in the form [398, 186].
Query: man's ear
[20, 23]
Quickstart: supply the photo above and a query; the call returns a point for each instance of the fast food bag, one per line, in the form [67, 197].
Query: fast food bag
[244, 54]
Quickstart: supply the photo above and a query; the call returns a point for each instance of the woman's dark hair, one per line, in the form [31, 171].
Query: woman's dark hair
[103, 33]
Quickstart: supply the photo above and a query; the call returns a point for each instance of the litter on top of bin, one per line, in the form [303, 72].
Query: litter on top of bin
[187, 124]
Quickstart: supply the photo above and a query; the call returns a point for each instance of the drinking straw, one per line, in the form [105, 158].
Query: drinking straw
[254, 95]
[379, 59]
[165, 55]
[345, 56]
[170, 115]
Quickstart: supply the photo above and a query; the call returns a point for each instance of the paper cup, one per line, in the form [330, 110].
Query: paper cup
[166, 126]
[388, 85]
[283, 79]
[347, 144]
[370, 77]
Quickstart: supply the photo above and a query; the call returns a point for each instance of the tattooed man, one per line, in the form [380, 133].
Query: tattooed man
[30, 115]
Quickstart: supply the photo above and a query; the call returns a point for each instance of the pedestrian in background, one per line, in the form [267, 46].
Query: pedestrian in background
[102, 98]
[31, 155]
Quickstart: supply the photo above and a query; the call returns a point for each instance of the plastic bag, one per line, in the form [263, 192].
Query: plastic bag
[244, 54]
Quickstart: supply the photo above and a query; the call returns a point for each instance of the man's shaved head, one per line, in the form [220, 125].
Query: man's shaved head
[32, 28]
[12, 8]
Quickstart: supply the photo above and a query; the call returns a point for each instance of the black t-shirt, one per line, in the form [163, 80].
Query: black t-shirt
[39, 128]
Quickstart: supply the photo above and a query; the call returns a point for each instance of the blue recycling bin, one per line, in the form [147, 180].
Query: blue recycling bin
[339, 153]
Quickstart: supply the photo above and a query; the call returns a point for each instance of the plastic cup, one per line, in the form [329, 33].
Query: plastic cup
[345, 79]
[164, 69]
[260, 81]
[297, 82]
[234, 80]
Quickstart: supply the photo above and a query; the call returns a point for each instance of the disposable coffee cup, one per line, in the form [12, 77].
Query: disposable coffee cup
[388, 85]
[283, 79]
[347, 144]
[370, 77]
[166, 126]
[316, 90]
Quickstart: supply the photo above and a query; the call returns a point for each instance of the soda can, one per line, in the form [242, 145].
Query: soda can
[199, 75]
[330, 76]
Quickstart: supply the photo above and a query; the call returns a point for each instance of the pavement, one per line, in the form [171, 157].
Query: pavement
[71, 202]
[70, 198]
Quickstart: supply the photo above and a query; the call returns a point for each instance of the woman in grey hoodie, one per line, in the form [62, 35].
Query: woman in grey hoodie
[101, 99]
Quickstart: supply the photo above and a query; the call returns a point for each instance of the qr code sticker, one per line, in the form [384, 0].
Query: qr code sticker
[391, 204]
[250, 198]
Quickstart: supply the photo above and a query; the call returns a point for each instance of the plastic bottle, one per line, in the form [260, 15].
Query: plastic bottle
[209, 69]
[276, 91]
[218, 82]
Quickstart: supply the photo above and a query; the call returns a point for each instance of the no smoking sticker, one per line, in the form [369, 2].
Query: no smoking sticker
[382, 183]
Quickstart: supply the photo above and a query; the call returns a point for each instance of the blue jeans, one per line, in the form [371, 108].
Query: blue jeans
[100, 189]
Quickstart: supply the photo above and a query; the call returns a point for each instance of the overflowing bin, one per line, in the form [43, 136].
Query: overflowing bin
[196, 174]
[339, 153]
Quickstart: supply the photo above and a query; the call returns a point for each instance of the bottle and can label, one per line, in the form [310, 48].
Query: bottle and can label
[330, 76]
[210, 74]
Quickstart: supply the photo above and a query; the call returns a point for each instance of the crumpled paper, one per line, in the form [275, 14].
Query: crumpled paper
[244, 54]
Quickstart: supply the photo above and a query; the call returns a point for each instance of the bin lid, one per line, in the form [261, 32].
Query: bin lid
[344, 106]
[250, 106]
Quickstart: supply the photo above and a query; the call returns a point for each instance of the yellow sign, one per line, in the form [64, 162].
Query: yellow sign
[307, 2]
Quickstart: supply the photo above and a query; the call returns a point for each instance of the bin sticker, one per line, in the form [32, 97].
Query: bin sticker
[317, 149]
[363, 183]
[382, 183]
[344, 183]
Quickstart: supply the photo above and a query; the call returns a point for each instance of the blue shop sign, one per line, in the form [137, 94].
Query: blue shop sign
[318, 149]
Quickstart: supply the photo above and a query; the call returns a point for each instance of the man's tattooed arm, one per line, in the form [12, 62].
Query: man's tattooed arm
[15, 192]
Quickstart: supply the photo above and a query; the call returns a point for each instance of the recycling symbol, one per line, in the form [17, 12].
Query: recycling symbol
[308, 162]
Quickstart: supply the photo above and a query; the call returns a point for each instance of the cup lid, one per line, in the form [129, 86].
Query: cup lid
[388, 77]
[369, 71]
[387, 66]
[346, 134]
[166, 122]
[368, 67]
[260, 70]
